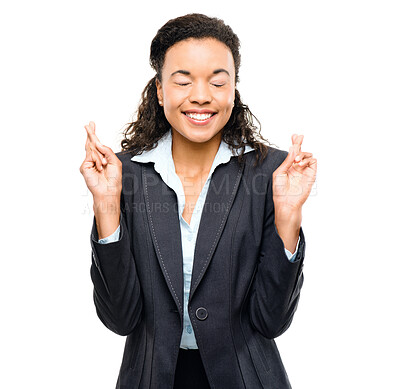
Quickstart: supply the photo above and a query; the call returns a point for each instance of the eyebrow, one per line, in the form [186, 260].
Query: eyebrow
[186, 73]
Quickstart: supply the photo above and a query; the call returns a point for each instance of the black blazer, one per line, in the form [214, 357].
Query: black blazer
[244, 290]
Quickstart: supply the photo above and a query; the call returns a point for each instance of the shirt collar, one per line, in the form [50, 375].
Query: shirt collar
[161, 155]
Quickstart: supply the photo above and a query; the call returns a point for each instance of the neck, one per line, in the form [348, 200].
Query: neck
[193, 159]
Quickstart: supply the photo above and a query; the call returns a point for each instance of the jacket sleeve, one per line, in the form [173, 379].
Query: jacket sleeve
[116, 294]
[275, 290]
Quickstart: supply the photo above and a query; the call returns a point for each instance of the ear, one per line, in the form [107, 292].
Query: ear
[159, 90]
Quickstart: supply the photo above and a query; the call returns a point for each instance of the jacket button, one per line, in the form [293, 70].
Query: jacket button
[201, 313]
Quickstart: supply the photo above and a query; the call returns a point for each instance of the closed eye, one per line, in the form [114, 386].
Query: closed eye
[187, 83]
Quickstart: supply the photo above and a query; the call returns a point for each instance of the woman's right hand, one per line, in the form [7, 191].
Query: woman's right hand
[101, 169]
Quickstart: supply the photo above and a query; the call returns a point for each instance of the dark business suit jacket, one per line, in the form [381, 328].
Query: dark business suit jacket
[244, 290]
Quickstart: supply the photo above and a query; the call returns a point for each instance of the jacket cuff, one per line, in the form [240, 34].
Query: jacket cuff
[276, 244]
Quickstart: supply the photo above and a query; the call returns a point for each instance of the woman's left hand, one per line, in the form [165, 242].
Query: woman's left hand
[293, 179]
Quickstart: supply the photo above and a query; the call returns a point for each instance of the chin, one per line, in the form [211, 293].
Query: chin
[200, 135]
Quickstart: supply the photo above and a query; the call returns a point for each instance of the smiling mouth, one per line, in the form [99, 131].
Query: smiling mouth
[199, 116]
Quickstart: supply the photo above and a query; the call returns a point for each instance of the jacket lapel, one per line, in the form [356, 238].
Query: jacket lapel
[221, 193]
[162, 212]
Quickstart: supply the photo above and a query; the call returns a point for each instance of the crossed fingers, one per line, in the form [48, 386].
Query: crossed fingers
[92, 152]
[303, 158]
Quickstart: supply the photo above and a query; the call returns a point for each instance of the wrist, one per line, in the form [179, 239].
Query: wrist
[288, 223]
[288, 216]
[107, 215]
[106, 199]
[106, 206]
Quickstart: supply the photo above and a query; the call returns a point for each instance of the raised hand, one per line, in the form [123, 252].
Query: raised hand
[101, 169]
[293, 179]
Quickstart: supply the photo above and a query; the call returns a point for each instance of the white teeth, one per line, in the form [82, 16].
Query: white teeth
[199, 116]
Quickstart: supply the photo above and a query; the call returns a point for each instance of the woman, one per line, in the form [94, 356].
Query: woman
[197, 243]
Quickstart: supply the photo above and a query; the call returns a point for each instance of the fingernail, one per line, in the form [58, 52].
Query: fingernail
[104, 161]
[297, 158]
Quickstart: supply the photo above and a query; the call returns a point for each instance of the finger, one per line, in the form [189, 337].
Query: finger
[93, 155]
[302, 155]
[101, 157]
[97, 160]
[287, 163]
[289, 160]
[93, 140]
[86, 165]
[108, 153]
[307, 162]
[87, 144]
[90, 131]
[102, 150]
[89, 149]
[297, 140]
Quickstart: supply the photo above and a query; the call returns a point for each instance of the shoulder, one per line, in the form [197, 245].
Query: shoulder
[131, 172]
[271, 161]
[274, 157]
[127, 164]
[132, 184]
[124, 156]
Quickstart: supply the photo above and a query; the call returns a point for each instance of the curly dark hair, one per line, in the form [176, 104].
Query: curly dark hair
[151, 123]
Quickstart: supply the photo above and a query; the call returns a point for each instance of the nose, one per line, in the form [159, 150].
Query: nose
[200, 93]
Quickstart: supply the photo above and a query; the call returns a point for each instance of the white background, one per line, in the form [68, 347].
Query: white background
[325, 69]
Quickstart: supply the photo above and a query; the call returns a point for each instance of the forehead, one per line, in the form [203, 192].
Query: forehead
[198, 55]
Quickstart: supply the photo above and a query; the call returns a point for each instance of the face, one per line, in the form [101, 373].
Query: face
[198, 88]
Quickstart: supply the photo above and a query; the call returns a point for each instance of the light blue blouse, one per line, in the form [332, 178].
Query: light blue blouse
[161, 155]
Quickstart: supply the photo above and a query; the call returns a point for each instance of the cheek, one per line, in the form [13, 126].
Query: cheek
[173, 97]
[226, 100]
[227, 104]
